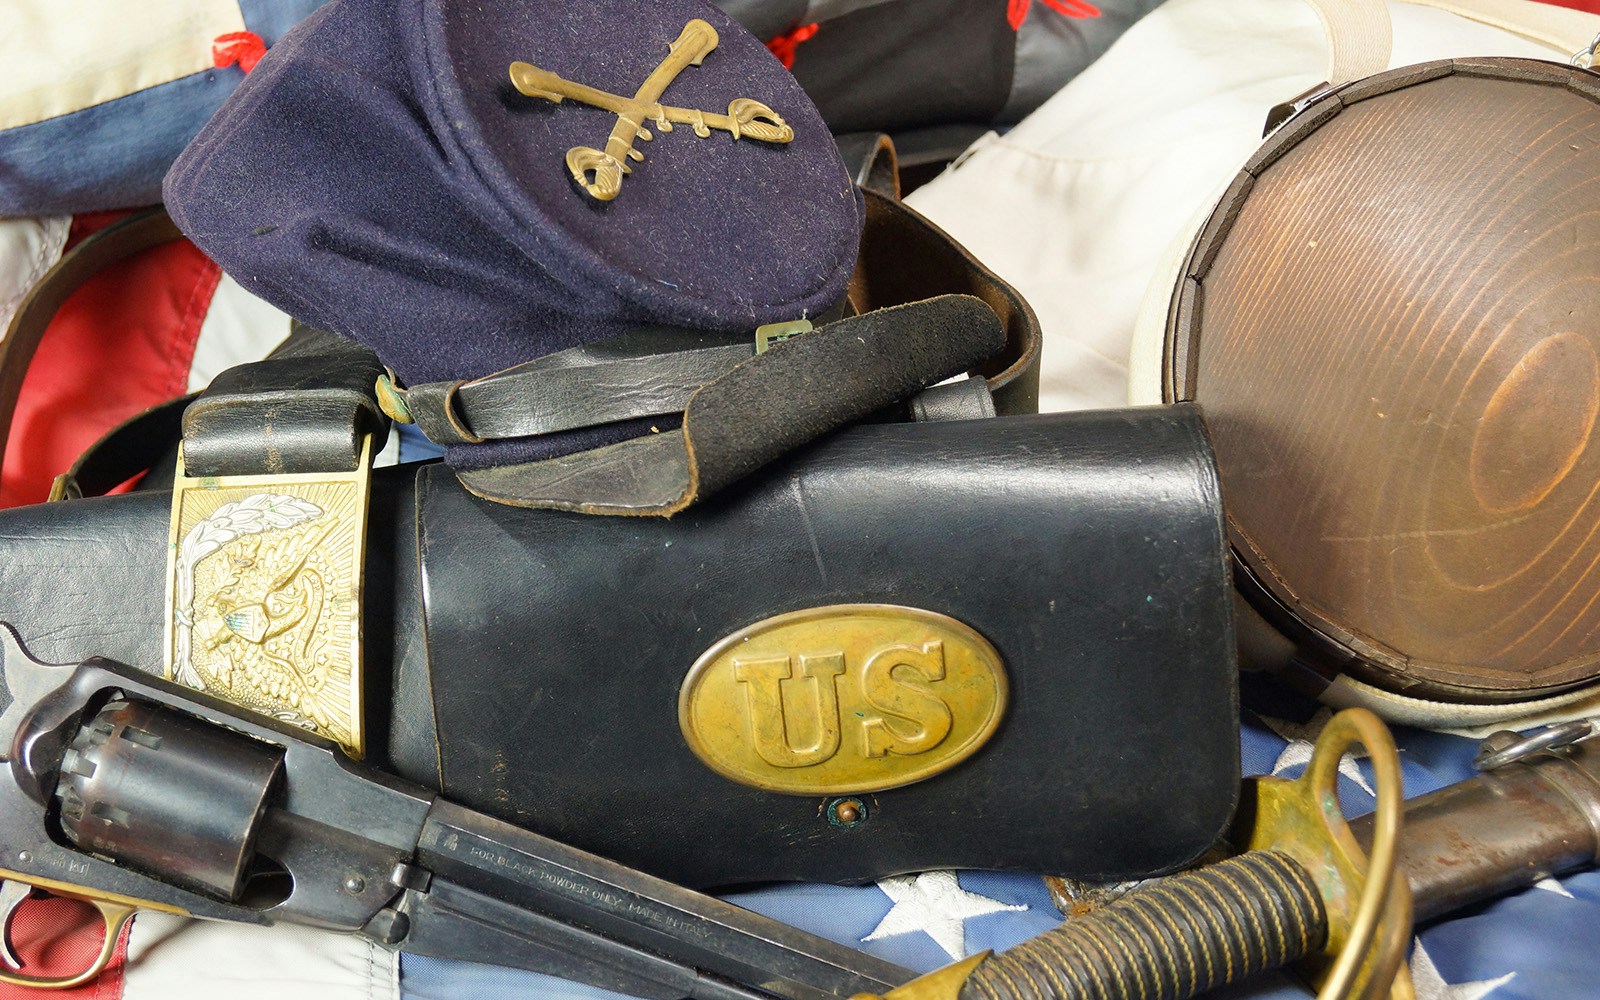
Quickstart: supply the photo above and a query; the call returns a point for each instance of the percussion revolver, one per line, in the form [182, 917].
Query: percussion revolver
[129, 792]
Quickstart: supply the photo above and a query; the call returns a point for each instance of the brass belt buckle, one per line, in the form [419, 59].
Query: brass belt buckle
[264, 579]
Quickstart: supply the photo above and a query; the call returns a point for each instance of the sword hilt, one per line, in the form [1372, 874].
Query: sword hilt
[584, 162]
[1173, 940]
[1302, 892]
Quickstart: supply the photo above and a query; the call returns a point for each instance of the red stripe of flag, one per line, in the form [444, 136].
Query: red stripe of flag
[121, 343]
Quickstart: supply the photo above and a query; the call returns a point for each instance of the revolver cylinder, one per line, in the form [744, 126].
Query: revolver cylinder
[168, 794]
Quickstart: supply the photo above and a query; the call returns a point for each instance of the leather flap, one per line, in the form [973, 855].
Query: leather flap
[768, 405]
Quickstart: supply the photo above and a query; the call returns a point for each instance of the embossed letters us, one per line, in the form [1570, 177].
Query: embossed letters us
[846, 698]
[804, 728]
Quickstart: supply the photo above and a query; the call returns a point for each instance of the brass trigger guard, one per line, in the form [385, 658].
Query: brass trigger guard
[116, 916]
[1368, 904]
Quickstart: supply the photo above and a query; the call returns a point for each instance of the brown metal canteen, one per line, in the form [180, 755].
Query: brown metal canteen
[1392, 319]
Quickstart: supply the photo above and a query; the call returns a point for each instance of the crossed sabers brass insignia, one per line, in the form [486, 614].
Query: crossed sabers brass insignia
[746, 119]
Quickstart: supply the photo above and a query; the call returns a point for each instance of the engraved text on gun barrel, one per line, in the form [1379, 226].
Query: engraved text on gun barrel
[846, 698]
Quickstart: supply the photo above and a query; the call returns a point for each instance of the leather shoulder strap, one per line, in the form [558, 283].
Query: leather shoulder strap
[119, 241]
[129, 449]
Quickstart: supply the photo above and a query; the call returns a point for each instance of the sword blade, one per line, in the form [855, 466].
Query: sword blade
[501, 894]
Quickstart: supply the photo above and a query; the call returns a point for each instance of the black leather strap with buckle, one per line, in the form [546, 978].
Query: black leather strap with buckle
[309, 406]
[643, 373]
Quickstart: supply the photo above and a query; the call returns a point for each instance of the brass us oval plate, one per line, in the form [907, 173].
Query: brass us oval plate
[845, 698]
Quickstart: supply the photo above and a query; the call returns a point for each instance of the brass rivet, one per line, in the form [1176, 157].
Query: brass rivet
[846, 813]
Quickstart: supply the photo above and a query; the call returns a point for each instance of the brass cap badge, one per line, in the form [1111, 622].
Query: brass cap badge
[600, 172]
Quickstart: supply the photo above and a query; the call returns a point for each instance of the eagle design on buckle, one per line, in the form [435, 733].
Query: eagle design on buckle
[600, 172]
[264, 581]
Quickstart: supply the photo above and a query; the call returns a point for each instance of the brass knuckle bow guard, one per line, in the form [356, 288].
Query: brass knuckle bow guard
[1302, 891]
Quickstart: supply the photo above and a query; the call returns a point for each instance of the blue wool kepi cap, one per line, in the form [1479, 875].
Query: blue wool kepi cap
[379, 175]
[560, 225]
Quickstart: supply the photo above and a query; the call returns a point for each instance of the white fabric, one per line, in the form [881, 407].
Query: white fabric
[28, 248]
[1079, 203]
[238, 327]
[171, 958]
[1359, 38]
[935, 904]
[1560, 28]
[60, 56]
